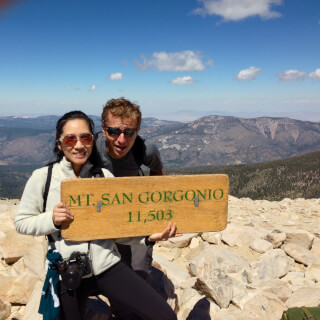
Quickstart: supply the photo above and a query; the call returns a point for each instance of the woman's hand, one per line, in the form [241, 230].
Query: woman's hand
[169, 232]
[61, 213]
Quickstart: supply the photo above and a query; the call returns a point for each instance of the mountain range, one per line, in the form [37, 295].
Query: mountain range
[210, 140]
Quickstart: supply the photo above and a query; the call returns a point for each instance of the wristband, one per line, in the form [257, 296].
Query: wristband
[149, 243]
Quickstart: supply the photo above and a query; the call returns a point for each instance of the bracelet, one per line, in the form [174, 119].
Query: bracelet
[149, 243]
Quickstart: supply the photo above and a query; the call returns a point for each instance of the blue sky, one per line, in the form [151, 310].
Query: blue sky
[230, 57]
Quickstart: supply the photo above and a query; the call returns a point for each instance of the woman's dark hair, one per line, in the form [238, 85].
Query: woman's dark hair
[72, 115]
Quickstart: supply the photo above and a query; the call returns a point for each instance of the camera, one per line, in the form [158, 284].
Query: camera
[72, 270]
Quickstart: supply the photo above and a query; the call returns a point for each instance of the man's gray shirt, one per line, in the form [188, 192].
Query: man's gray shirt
[140, 258]
[145, 154]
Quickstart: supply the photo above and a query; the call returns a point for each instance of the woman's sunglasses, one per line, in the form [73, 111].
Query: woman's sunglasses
[71, 140]
[115, 132]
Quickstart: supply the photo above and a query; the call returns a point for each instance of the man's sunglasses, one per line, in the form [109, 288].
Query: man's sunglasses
[115, 132]
[71, 140]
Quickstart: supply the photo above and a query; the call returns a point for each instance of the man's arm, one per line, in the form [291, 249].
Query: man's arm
[155, 172]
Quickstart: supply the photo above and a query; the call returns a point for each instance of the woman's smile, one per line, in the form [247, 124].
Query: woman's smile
[79, 153]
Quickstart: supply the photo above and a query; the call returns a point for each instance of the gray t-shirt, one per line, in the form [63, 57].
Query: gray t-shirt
[140, 258]
[146, 154]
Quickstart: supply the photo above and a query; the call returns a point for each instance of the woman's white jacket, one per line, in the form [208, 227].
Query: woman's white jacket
[31, 220]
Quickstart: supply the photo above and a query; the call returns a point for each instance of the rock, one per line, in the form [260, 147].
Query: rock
[241, 291]
[300, 254]
[279, 287]
[5, 310]
[173, 272]
[178, 242]
[276, 237]
[233, 314]
[228, 262]
[238, 235]
[313, 273]
[188, 299]
[309, 297]
[271, 265]
[265, 306]
[261, 245]
[17, 290]
[215, 284]
[212, 237]
[32, 307]
[246, 273]
[37, 252]
[300, 237]
[172, 254]
[315, 250]
[14, 246]
[294, 278]
[195, 242]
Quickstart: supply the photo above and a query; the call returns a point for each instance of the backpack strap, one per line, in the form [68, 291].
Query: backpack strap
[97, 172]
[47, 186]
[45, 197]
[309, 315]
[139, 149]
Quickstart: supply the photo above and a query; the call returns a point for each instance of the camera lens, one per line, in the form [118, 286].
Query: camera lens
[71, 278]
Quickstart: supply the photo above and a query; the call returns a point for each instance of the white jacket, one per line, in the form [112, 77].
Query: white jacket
[31, 220]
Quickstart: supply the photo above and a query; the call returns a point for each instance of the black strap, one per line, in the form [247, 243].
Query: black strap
[139, 149]
[97, 172]
[47, 186]
[45, 196]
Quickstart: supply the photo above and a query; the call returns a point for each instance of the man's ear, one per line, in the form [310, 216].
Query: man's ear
[103, 130]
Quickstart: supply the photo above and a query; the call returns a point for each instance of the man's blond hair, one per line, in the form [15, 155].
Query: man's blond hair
[122, 108]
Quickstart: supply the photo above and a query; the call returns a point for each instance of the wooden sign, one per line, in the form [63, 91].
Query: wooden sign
[106, 208]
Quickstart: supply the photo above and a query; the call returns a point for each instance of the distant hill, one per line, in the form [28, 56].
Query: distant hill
[297, 177]
[13, 180]
[222, 140]
[210, 140]
[49, 122]
[31, 140]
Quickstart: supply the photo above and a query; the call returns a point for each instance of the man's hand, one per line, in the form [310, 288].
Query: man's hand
[61, 213]
[169, 232]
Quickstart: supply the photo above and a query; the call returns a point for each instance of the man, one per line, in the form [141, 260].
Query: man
[122, 151]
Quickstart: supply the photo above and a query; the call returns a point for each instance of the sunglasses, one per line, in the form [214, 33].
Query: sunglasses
[71, 140]
[115, 132]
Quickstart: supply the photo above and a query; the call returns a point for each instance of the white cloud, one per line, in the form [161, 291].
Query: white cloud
[116, 76]
[186, 61]
[248, 74]
[292, 75]
[235, 10]
[93, 87]
[182, 80]
[315, 74]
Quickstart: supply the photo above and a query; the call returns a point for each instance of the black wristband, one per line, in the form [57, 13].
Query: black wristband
[149, 243]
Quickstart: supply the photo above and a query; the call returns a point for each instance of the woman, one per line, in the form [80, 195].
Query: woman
[110, 277]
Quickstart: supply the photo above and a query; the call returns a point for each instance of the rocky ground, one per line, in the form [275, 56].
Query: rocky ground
[265, 261]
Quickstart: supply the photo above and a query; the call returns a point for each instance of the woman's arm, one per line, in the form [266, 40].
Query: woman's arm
[29, 218]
